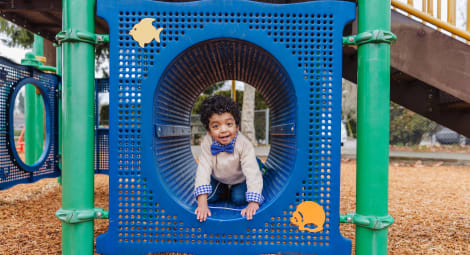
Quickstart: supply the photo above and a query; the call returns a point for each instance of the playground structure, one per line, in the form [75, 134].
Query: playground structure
[170, 130]
[198, 48]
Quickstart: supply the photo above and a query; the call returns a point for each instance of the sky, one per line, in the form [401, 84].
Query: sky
[239, 85]
[14, 54]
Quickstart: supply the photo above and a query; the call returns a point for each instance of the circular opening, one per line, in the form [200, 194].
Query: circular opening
[29, 118]
[198, 68]
[259, 118]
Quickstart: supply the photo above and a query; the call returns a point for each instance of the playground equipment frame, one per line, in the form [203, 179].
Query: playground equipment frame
[78, 130]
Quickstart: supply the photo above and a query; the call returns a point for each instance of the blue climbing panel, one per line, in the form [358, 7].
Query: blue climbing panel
[12, 168]
[162, 56]
[101, 127]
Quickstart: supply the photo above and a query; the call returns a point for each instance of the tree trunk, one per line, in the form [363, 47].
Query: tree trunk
[248, 114]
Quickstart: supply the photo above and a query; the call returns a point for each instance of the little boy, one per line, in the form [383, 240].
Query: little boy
[227, 165]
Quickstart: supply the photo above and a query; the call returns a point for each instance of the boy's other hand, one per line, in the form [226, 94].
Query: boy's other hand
[250, 210]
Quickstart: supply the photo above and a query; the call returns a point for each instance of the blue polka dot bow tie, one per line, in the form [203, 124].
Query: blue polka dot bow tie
[217, 147]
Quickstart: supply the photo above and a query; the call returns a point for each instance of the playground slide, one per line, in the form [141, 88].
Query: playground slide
[429, 73]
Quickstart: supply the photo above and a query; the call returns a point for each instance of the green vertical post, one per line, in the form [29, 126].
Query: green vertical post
[58, 55]
[34, 128]
[373, 102]
[38, 50]
[77, 129]
[29, 125]
[59, 106]
[38, 45]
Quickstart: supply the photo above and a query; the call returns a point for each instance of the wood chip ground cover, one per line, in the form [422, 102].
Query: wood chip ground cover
[430, 205]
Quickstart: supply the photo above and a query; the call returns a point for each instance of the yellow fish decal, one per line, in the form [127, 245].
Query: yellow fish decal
[144, 32]
[308, 213]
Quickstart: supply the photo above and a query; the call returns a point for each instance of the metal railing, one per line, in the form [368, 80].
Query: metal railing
[432, 13]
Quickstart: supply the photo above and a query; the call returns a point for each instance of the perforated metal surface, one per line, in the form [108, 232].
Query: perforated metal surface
[11, 173]
[291, 54]
[101, 133]
[234, 60]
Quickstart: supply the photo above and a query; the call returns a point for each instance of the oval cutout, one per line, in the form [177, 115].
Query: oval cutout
[35, 111]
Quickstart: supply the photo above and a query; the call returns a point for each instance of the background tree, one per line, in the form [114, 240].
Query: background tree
[205, 94]
[407, 127]
[104, 116]
[102, 59]
[21, 101]
[248, 114]
[259, 104]
[16, 35]
[349, 106]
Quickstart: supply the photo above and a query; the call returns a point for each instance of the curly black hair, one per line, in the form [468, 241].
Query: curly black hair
[217, 105]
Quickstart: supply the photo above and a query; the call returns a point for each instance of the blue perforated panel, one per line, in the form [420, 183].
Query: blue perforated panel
[101, 129]
[291, 53]
[173, 104]
[12, 76]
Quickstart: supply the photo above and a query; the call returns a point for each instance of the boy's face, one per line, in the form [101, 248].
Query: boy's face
[222, 127]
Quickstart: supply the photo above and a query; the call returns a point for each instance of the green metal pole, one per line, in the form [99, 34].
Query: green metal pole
[373, 126]
[38, 50]
[77, 131]
[29, 125]
[33, 134]
[59, 105]
[38, 45]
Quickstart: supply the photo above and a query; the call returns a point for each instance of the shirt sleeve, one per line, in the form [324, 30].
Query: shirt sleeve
[250, 168]
[203, 189]
[204, 169]
[254, 197]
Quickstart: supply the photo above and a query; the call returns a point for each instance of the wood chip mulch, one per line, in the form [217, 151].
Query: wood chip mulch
[430, 205]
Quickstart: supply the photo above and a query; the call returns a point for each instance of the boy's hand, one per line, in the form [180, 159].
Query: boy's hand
[250, 210]
[202, 210]
[202, 213]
